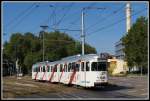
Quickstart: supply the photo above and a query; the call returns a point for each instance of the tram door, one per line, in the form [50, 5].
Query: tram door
[83, 74]
[78, 73]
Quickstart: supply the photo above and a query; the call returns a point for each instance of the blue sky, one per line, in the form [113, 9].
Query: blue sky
[28, 16]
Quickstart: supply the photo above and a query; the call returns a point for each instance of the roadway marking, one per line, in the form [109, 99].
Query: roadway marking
[69, 95]
[72, 95]
[139, 85]
[142, 89]
[79, 96]
[62, 97]
[30, 85]
[144, 94]
[132, 91]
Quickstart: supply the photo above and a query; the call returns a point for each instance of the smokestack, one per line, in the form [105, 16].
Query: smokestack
[128, 16]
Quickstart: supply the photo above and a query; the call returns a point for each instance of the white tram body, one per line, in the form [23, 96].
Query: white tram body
[87, 71]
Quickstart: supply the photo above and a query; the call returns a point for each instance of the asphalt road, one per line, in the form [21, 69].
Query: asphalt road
[119, 88]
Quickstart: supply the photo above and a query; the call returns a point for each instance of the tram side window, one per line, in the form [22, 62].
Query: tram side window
[43, 68]
[77, 67]
[82, 66]
[87, 66]
[48, 69]
[39, 69]
[69, 67]
[61, 67]
[51, 68]
[55, 69]
[65, 66]
[94, 66]
[73, 66]
[36, 69]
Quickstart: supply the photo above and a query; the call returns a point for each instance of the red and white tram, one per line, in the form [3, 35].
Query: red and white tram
[87, 71]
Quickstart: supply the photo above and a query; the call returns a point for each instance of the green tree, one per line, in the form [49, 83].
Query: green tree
[135, 42]
[28, 48]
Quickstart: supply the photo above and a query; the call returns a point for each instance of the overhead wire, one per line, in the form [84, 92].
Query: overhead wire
[19, 15]
[78, 19]
[106, 17]
[65, 14]
[25, 15]
[110, 25]
[45, 21]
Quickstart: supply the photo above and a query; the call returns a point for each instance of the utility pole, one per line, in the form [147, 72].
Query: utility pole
[44, 27]
[83, 34]
[82, 29]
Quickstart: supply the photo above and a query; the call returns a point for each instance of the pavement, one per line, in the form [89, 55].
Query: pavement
[135, 87]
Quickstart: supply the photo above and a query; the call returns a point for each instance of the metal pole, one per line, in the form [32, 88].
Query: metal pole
[82, 34]
[44, 27]
[43, 45]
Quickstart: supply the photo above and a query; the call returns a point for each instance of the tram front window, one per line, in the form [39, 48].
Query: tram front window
[98, 66]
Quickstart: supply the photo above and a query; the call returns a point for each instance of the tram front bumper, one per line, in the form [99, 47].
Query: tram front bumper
[99, 84]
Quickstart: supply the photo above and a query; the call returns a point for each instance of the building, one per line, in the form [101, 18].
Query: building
[119, 50]
[117, 66]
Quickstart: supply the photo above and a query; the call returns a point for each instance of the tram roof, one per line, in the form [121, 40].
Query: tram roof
[80, 57]
[86, 57]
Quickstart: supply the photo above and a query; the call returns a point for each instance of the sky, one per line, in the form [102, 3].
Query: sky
[104, 25]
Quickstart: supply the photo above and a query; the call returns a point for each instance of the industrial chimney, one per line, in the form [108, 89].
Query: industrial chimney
[128, 16]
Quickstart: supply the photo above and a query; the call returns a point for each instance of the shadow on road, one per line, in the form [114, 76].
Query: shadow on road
[109, 87]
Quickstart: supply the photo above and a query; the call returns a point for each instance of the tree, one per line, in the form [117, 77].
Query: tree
[135, 42]
[28, 48]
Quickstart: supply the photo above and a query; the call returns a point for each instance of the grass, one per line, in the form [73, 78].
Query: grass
[13, 87]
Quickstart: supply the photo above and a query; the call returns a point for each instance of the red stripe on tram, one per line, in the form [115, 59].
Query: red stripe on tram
[61, 74]
[43, 76]
[36, 75]
[52, 74]
[72, 76]
[44, 72]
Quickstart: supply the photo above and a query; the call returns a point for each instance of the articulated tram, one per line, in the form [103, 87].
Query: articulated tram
[87, 71]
